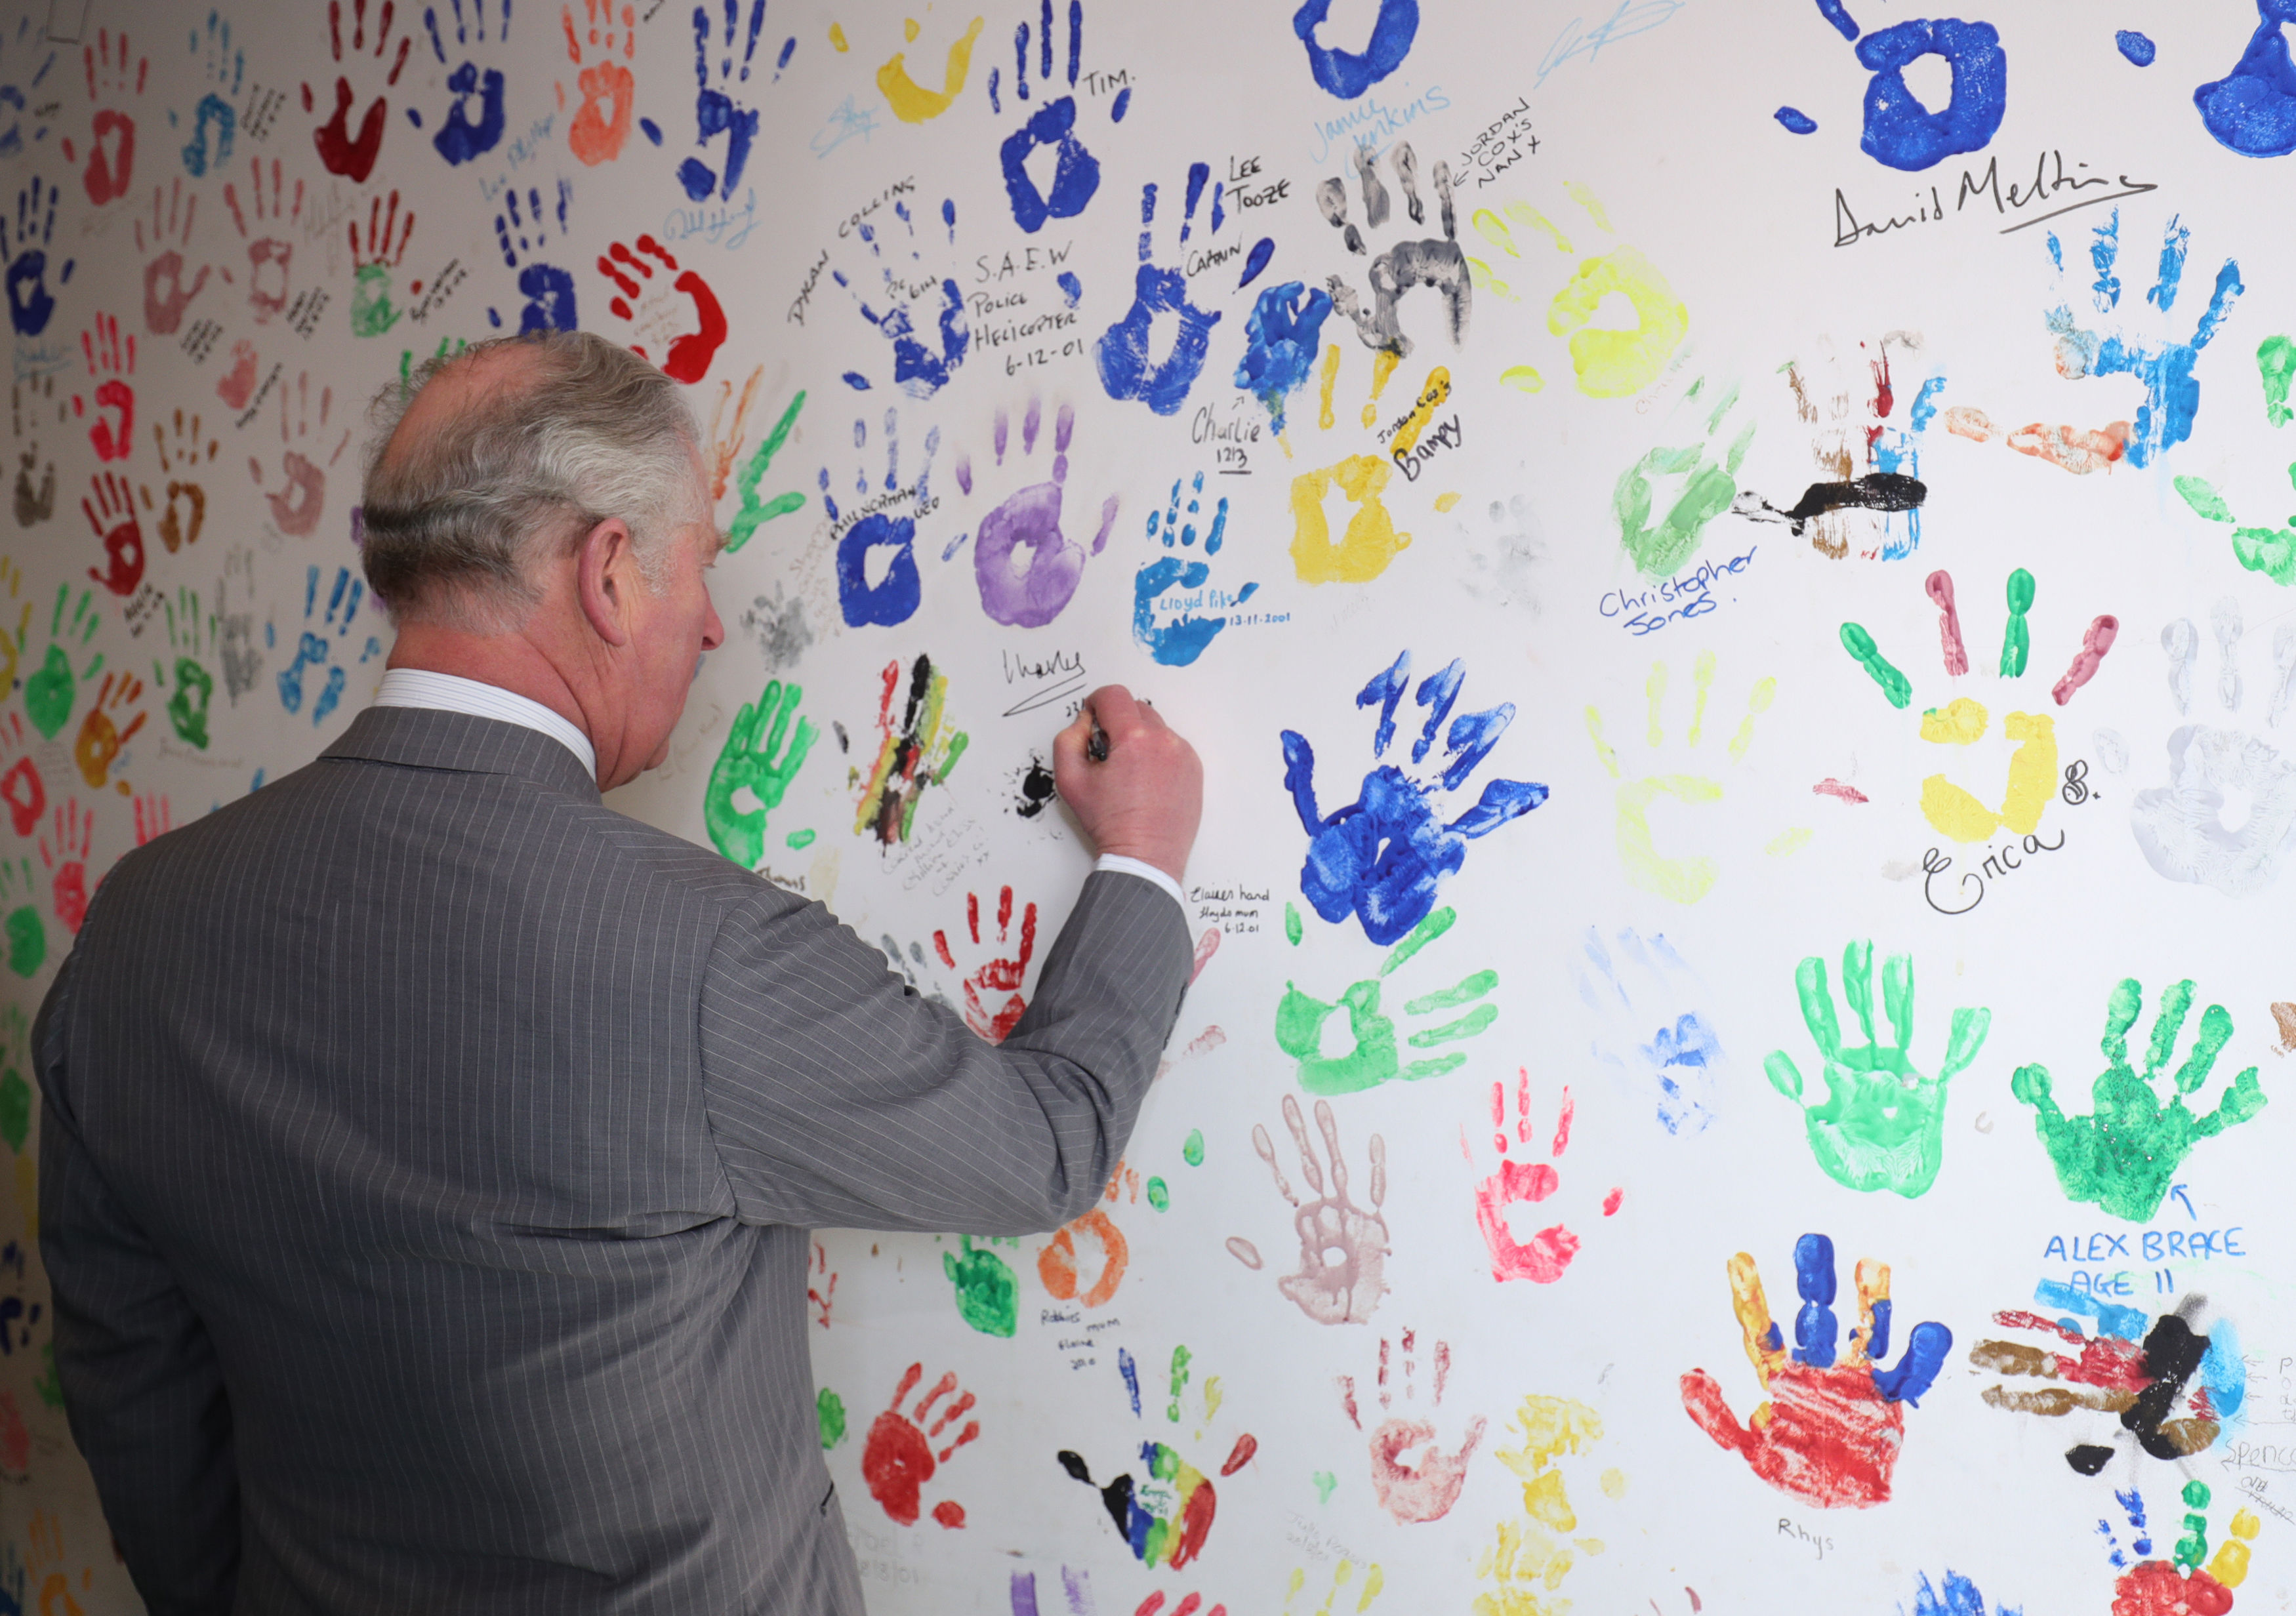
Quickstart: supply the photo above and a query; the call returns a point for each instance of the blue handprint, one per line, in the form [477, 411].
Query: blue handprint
[893, 598]
[461, 138]
[522, 229]
[2252, 109]
[1179, 642]
[1283, 334]
[1382, 855]
[12, 94]
[31, 304]
[715, 111]
[1076, 171]
[1900, 131]
[2172, 392]
[1347, 74]
[227, 68]
[917, 369]
[1121, 353]
[311, 649]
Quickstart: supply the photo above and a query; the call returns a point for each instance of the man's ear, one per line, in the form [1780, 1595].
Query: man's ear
[606, 574]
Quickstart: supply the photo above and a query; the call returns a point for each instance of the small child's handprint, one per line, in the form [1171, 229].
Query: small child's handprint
[1518, 1181]
[1881, 1125]
[112, 719]
[899, 1458]
[1345, 1290]
[1178, 644]
[988, 1296]
[2124, 1153]
[1425, 1489]
[1372, 1056]
[1066, 1280]
[1683, 1059]
[185, 511]
[601, 125]
[1830, 1431]
[877, 558]
[52, 688]
[716, 112]
[993, 1005]
[190, 634]
[1381, 856]
[463, 137]
[763, 752]
[31, 304]
[224, 69]
[1027, 568]
[352, 156]
[1702, 478]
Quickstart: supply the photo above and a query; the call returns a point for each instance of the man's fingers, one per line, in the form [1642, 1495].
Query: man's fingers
[1113, 708]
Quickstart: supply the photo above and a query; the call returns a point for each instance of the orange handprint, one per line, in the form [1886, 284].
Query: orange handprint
[165, 295]
[993, 1005]
[899, 1458]
[1057, 1266]
[353, 156]
[268, 256]
[725, 447]
[652, 311]
[109, 363]
[601, 123]
[112, 145]
[1544, 1257]
[102, 735]
[63, 849]
[111, 512]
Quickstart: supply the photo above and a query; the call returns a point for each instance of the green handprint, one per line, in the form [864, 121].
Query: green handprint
[765, 771]
[2124, 1153]
[27, 938]
[195, 686]
[1707, 490]
[2270, 550]
[987, 1296]
[1374, 1059]
[755, 512]
[1882, 1124]
[15, 1089]
[53, 688]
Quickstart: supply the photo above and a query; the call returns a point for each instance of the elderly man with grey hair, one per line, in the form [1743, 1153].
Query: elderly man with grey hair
[428, 1152]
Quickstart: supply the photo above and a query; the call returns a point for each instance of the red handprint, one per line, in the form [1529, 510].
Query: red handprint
[268, 256]
[165, 295]
[64, 850]
[1410, 1491]
[993, 1005]
[1831, 1432]
[111, 512]
[101, 733]
[1544, 1257]
[601, 123]
[656, 312]
[353, 156]
[113, 361]
[899, 1459]
[20, 786]
[154, 818]
[820, 1284]
[112, 145]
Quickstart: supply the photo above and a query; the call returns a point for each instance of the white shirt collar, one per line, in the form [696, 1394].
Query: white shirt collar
[450, 693]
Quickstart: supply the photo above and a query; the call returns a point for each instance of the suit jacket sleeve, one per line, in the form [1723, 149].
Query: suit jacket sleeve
[839, 1097]
[141, 1383]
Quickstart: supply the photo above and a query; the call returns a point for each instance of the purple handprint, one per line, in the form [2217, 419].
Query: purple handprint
[1381, 856]
[1027, 568]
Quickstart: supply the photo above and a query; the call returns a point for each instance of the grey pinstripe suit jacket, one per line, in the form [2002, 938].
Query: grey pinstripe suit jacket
[426, 1167]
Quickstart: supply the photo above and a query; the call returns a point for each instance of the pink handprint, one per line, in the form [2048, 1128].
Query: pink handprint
[1410, 1490]
[1544, 1257]
[165, 295]
[993, 1005]
[268, 256]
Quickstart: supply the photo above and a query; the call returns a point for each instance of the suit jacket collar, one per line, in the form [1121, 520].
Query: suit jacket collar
[426, 738]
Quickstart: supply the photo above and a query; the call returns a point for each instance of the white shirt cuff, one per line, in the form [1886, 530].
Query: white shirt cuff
[1117, 863]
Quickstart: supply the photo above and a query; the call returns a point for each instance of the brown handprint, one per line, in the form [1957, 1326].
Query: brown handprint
[296, 505]
[993, 1005]
[1831, 1432]
[899, 1458]
[101, 734]
[109, 363]
[34, 503]
[601, 123]
[181, 457]
[1424, 1489]
[1542, 1258]
[63, 849]
[169, 237]
[111, 512]
[111, 146]
[269, 258]
[1346, 1291]
[352, 156]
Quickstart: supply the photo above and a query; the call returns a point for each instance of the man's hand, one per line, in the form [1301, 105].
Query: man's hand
[1143, 799]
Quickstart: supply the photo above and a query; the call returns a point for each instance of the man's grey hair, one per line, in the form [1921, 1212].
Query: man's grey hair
[458, 519]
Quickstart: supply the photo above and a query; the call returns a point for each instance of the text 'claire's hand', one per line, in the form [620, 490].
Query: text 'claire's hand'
[1143, 798]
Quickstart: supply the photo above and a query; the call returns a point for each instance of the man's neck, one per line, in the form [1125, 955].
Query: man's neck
[509, 662]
